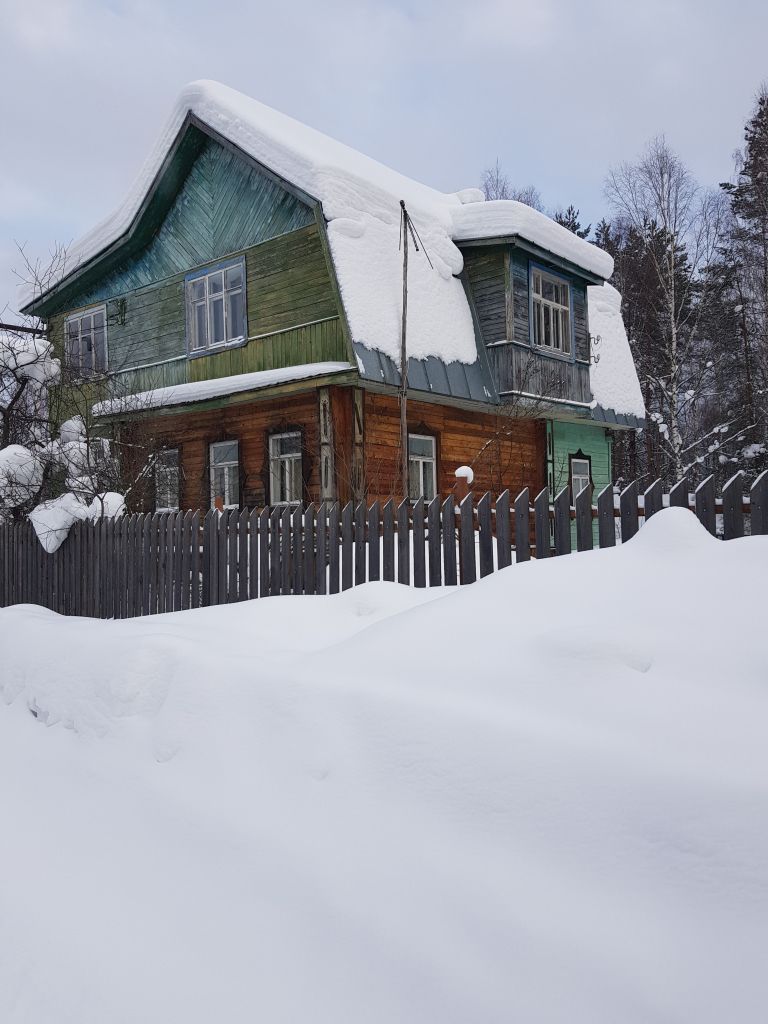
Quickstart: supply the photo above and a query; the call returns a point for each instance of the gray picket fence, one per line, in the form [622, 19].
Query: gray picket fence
[145, 564]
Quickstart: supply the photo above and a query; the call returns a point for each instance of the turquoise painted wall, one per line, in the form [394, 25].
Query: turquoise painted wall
[565, 439]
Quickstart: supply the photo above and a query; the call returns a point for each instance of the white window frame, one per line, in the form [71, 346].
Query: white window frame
[583, 476]
[554, 312]
[79, 365]
[160, 458]
[232, 473]
[425, 463]
[203, 278]
[276, 474]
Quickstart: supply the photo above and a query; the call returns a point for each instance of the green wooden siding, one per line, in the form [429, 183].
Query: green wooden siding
[565, 439]
[224, 206]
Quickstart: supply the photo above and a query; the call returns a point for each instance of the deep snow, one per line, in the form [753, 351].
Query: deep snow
[539, 798]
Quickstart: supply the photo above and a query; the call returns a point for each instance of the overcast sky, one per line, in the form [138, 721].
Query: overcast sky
[559, 91]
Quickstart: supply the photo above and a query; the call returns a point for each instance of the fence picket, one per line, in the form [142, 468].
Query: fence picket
[403, 542]
[264, 577]
[388, 541]
[583, 505]
[467, 565]
[253, 554]
[523, 526]
[733, 516]
[321, 580]
[628, 510]
[374, 547]
[678, 494]
[297, 552]
[758, 505]
[606, 523]
[652, 500]
[286, 573]
[274, 552]
[359, 544]
[503, 541]
[449, 542]
[562, 510]
[485, 527]
[347, 530]
[705, 504]
[334, 549]
[541, 523]
[242, 555]
[419, 537]
[433, 542]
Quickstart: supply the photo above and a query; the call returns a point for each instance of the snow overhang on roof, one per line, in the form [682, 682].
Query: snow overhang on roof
[360, 201]
[617, 398]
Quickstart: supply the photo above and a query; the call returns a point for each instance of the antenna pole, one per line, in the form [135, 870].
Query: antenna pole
[404, 229]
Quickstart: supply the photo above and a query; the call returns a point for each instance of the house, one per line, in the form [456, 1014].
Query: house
[240, 315]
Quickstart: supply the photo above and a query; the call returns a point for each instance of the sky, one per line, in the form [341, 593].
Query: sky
[559, 92]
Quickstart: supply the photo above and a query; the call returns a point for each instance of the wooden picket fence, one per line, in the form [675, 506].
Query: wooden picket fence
[149, 564]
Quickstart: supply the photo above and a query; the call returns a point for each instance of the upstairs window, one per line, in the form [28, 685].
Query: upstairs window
[167, 480]
[216, 307]
[285, 468]
[551, 313]
[580, 476]
[225, 474]
[422, 467]
[86, 342]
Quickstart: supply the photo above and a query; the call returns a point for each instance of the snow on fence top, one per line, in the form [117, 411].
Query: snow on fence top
[360, 201]
[613, 377]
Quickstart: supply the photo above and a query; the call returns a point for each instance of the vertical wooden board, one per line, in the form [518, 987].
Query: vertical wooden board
[309, 550]
[388, 541]
[523, 526]
[334, 553]
[347, 534]
[467, 565]
[180, 563]
[652, 500]
[733, 514]
[705, 504]
[286, 572]
[195, 576]
[185, 541]
[678, 495]
[224, 568]
[419, 554]
[449, 542]
[434, 545]
[146, 548]
[95, 531]
[107, 550]
[232, 555]
[274, 552]
[359, 543]
[321, 577]
[207, 584]
[628, 509]
[503, 539]
[758, 505]
[606, 521]
[403, 542]
[562, 505]
[297, 552]
[541, 523]
[583, 504]
[169, 585]
[485, 527]
[264, 539]
[253, 554]
[374, 543]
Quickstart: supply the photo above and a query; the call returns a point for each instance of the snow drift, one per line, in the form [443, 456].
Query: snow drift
[496, 806]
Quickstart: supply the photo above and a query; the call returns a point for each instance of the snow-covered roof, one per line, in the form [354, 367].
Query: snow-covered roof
[613, 377]
[218, 387]
[360, 200]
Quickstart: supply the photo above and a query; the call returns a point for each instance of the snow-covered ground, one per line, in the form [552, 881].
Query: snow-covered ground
[541, 798]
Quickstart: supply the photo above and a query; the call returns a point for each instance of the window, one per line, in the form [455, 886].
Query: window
[422, 466]
[216, 307]
[580, 475]
[86, 342]
[225, 474]
[285, 471]
[167, 480]
[551, 313]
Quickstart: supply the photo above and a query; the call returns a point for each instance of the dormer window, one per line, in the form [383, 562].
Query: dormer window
[216, 307]
[551, 313]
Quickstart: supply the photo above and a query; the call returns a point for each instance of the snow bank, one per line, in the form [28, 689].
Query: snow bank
[361, 202]
[317, 809]
[199, 391]
[613, 376]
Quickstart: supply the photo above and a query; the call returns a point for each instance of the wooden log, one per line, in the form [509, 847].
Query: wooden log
[503, 540]
[359, 543]
[628, 509]
[433, 542]
[467, 562]
[541, 523]
[678, 494]
[705, 504]
[653, 500]
[758, 505]
[733, 514]
[334, 549]
[347, 541]
[485, 526]
[523, 526]
[419, 554]
[321, 578]
[374, 545]
[404, 542]
[583, 504]
[606, 522]
[449, 542]
[388, 541]
[562, 509]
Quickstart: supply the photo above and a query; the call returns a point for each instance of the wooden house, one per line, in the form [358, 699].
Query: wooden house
[240, 319]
